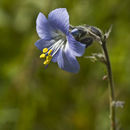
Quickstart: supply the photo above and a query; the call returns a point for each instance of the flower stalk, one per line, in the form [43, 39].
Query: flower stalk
[111, 86]
[97, 35]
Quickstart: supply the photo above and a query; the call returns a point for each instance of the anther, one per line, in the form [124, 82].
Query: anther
[49, 57]
[46, 62]
[49, 52]
[42, 56]
[45, 50]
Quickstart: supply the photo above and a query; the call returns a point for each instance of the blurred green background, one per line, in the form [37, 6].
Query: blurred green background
[34, 98]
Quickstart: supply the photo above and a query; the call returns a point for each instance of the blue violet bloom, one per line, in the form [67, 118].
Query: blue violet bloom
[56, 41]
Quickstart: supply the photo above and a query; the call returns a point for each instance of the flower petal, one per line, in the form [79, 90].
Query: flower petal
[75, 47]
[60, 19]
[68, 62]
[44, 29]
[40, 44]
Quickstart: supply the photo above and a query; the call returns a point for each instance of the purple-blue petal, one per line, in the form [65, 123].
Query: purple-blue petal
[43, 27]
[59, 18]
[68, 62]
[75, 47]
[40, 44]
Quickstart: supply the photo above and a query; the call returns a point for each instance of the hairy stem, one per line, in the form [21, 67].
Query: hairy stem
[111, 87]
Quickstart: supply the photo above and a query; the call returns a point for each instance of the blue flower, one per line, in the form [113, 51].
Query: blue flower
[56, 41]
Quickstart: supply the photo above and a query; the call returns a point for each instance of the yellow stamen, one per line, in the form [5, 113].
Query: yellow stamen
[45, 50]
[46, 62]
[49, 57]
[42, 56]
[49, 52]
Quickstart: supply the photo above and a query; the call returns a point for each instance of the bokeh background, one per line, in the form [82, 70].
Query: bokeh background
[35, 98]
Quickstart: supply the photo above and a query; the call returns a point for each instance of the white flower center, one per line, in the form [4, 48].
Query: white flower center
[59, 41]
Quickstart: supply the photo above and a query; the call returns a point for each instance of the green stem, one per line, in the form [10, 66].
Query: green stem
[111, 87]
